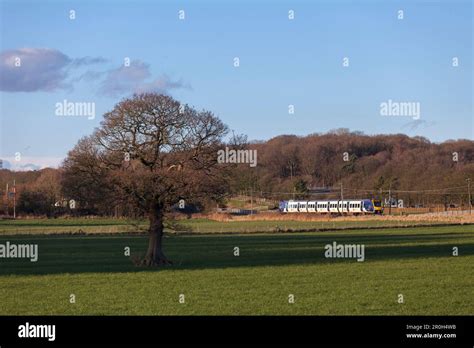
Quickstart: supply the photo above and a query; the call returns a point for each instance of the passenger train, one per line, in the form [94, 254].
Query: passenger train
[353, 206]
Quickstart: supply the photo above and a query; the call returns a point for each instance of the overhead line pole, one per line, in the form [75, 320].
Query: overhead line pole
[469, 194]
[14, 198]
[342, 197]
[7, 198]
[390, 198]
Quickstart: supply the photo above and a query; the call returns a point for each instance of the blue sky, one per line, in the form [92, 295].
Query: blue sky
[282, 62]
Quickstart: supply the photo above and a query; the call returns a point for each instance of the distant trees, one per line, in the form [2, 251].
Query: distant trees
[36, 191]
[99, 177]
[363, 162]
[301, 188]
[35, 203]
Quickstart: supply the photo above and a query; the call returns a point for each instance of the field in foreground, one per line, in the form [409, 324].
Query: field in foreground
[414, 262]
[222, 223]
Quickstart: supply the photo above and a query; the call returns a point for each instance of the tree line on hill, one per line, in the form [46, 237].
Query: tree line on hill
[288, 167]
[414, 168]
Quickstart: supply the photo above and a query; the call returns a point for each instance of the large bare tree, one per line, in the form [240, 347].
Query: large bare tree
[149, 153]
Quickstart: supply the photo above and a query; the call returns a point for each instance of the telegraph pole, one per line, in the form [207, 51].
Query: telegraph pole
[6, 201]
[342, 197]
[14, 199]
[390, 198]
[469, 194]
[251, 200]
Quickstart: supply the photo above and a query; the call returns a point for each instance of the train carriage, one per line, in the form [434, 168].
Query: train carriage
[362, 206]
[355, 207]
[322, 206]
[303, 207]
[312, 207]
[333, 207]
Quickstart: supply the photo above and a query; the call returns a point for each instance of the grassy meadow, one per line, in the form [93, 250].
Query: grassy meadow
[195, 225]
[415, 262]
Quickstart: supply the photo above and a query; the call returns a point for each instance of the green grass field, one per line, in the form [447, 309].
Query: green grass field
[414, 262]
[105, 225]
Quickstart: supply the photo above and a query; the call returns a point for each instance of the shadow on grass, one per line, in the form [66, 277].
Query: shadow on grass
[53, 223]
[84, 254]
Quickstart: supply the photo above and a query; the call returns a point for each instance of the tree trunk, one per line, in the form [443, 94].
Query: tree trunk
[154, 255]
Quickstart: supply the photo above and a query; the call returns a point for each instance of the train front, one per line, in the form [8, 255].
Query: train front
[378, 209]
[283, 206]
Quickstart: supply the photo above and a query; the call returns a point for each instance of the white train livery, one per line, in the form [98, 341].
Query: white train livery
[353, 206]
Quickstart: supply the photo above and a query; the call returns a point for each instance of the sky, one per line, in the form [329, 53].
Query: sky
[334, 63]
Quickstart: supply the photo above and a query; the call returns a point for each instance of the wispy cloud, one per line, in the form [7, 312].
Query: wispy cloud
[39, 69]
[414, 125]
[88, 61]
[136, 78]
[48, 70]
